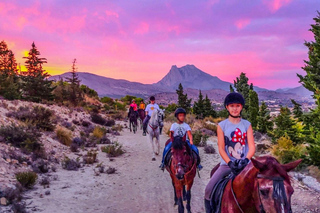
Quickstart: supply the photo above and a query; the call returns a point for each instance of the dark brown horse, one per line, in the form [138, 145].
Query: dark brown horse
[263, 186]
[133, 120]
[182, 170]
[142, 115]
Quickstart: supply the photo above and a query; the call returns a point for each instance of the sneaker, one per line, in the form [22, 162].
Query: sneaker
[200, 167]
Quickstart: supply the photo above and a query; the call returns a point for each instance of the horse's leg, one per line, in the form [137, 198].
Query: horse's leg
[179, 193]
[175, 195]
[188, 195]
[151, 141]
[130, 126]
[158, 145]
[184, 193]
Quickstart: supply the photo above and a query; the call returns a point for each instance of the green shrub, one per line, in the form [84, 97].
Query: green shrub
[98, 119]
[90, 157]
[117, 127]
[27, 179]
[23, 137]
[113, 150]
[64, 136]
[40, 117]
[286, 152]
[199, 139]
[208, 149]
[70, 164]
[211, 127]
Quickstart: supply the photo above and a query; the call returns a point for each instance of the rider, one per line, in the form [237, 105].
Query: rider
[150, 107]
[183, 130]
[235, 143]
[142, 105]
[134, 106]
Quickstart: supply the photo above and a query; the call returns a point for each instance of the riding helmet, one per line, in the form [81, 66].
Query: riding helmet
[152, 98]
[234, 98]
[178, 111]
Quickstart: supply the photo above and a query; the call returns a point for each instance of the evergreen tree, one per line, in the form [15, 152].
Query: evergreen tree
[311, 81]
[264, 123]
[183, 100]
[208, 109]
[198, 107]
[297, 110]
[285, 125]
[242, 86]
[253, 109]
[36, 86]
[9, 80]
[231, 88]
[75, 94]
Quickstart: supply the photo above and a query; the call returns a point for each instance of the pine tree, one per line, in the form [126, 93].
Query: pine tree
[75, 94]
[253, 109]
[297, 110]
[208, 109]
[36, 86]
[311, 81]
[264, 123]
[198, 107]
[231, 88]
[9, 80]
[242, 86]
[183, 100]
[285, 125]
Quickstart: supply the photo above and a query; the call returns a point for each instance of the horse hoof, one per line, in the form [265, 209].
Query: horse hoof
[157, 153]
[153, 159]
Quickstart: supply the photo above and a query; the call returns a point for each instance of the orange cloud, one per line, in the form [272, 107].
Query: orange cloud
[242, 23]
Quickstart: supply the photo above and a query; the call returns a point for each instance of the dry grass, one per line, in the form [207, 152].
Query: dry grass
[98, 132]
[64, 136]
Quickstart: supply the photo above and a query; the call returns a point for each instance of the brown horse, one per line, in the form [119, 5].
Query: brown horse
[182, 170]
[142, 115]
[263, 186]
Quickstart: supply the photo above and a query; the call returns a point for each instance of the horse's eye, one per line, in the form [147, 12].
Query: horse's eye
[264, 192]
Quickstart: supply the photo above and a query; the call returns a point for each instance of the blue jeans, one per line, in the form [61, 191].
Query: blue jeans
[169, 145]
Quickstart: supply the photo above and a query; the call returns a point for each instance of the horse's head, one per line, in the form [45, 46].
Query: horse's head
[181, 157]
[273, 189]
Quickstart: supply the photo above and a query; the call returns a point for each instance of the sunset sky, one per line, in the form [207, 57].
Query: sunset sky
[141, 40]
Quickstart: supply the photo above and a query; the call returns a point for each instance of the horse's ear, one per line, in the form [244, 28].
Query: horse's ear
[292, 165]
[258, 165]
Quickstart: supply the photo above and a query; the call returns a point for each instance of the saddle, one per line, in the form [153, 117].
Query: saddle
[217, 193]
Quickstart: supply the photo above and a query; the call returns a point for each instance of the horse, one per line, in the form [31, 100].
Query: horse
[142, 115]
[263, 186]
[154, 125]
[133, 120]
[182, 170]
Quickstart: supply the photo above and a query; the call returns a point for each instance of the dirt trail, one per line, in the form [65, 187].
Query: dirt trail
[138, 185]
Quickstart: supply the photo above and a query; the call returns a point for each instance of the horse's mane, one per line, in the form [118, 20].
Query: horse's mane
[178, 143]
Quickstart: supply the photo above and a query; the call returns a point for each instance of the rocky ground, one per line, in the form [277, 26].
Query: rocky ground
[137, 185]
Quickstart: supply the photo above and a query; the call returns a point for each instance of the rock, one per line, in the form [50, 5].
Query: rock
[257, 136]
[3, 201]
[47, 192]
[8, 160]
[15, 161]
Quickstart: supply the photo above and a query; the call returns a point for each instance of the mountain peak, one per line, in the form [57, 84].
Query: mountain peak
[191, 77]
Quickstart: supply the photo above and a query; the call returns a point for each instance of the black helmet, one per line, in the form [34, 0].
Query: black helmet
[178, 111]
[152, 98]
[234, 98]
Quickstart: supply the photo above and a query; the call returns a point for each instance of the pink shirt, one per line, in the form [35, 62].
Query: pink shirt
[134, 106]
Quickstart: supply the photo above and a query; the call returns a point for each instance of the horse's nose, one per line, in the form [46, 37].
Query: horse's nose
[180, 173]
[180, 176]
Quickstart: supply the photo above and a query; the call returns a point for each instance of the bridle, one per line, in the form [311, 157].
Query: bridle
[185, 166]
[278, 193]
[154, 127]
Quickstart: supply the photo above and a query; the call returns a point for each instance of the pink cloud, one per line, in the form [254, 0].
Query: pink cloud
[242, 23]
[112, 13]
[275, 5]
[143, 28]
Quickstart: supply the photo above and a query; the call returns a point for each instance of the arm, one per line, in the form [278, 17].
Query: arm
[221, 145]
[190, 137]
[250, 140]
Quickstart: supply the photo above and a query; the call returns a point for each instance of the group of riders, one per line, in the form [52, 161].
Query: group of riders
[235, 139]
